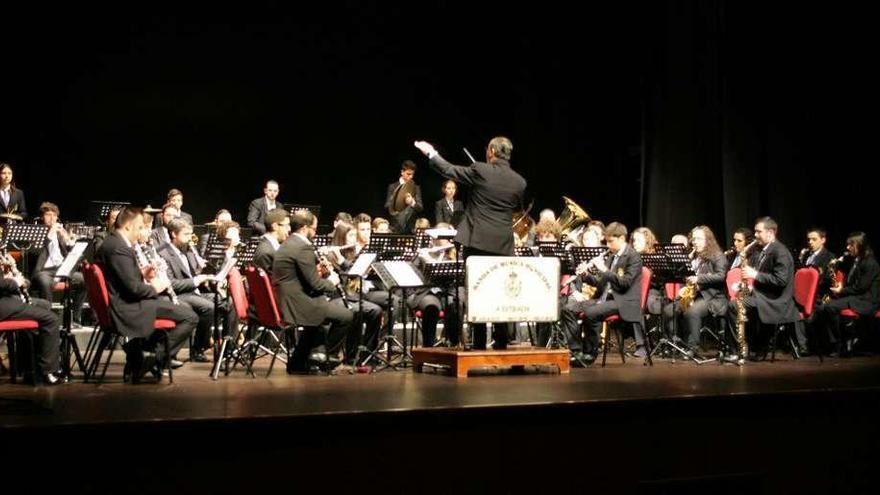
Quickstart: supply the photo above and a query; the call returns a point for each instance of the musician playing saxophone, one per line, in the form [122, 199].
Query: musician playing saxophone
[709, 294]
[859, 292]
[403, 200]
[773, 275]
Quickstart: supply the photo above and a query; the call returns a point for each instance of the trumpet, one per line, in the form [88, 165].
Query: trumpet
[831, 271]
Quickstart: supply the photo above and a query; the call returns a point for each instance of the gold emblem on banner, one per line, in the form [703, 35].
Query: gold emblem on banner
[513, 285]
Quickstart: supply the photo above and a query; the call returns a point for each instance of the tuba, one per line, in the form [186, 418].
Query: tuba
[398, 199]
[572, 217]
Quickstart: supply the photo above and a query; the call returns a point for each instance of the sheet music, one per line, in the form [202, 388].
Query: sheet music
[362, 264]
[441, 233]
[70, 261]
[403, 273]
[221, 275]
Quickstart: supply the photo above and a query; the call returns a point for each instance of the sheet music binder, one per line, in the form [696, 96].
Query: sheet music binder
[72, 258]
[398, 274]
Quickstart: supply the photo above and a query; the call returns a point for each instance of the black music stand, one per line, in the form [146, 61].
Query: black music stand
[100, 209]
[322, 241]
[449, 235]
[392, 247]
[526, 251]
[395, 275]
[68, 343]
[668, 264]
[557, 250]
[315, 209]
[423, 239]
[24, 237]
[246, 254]
[446, 274]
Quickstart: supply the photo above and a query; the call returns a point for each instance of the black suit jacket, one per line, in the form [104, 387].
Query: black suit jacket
[160, 237]
[299, 290]
[16, 203]
[180, 281]
[132, 301]
[442, 213]
[257, 214]
[264, 256]
[712, 283]
[496, 193]
[403, 221]
[10, 299]
[774, 284]
[626, 283]
[820, 262]
[861, 289]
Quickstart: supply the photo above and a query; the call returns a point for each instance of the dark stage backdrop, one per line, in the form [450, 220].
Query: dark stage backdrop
[727, 110]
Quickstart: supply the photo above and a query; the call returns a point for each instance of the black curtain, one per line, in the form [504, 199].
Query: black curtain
[755, 109]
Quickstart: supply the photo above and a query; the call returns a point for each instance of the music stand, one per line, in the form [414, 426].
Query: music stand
[245, 255]
[68, 343]
[100, 209]
[423, 239]
[315, 209]
[322, 241]
[526, 251]
[395, 275]
[24, 237]
[668, 264]
[557, 250]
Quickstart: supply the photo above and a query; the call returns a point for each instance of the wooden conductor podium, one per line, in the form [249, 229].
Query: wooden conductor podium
[504, 289]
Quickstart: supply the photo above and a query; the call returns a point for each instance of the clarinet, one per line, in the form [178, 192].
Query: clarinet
[160, 267]
[10, 266]
[325, 266]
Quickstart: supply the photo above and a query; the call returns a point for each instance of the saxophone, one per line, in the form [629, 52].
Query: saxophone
[687, 293]
[831, 271]
[741, 317]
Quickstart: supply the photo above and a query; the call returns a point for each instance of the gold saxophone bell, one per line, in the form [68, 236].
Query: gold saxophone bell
[572, 217]
[398, 199]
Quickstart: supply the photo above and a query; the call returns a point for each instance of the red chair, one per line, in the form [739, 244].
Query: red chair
[267, 315]
[15, 329]
[806, 284]
[238, 294]
[646, 286]
[99, 301]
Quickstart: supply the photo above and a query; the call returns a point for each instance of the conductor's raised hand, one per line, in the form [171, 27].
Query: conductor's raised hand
[426, 148]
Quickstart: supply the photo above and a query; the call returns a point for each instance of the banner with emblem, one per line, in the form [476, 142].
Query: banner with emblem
[507, 288]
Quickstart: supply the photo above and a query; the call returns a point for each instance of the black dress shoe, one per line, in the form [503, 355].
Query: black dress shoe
[199, 357]
[176, 364]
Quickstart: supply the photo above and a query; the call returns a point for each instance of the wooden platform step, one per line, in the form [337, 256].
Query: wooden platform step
[461, 361]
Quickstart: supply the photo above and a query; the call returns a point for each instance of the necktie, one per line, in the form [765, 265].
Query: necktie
[811, 259]
[607, 290]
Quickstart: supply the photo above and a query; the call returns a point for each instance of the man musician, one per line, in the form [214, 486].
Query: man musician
[277, 231]
[259, 207]
[708, 285]
[301, 294]
[772, 271]
[496, 193]
[403, 199]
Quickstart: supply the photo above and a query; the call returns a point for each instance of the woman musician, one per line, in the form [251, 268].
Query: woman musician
[705, 292]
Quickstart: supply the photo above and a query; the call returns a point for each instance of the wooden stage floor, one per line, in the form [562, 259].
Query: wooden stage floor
[195, 397]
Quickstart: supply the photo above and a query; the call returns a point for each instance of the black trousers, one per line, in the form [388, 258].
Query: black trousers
[430, 306]
[44, 280]
[48, 334]
[185, 319]
[340, 320]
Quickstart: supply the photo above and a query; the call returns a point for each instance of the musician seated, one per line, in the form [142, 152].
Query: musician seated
[679, 239]
[594, 235]
[817, 256]
[381, 226]
[160, 234]
[860, 291]
[137, 298]
[644, 241]
[422, 223]
[55, 248]
[342, 254]
[771, 301]
[184, 270]
[102, 234]
[742, 237]
[708, 288]
[277, 231]
[430, 301]
[547, 214]
[175, 199]
[230, 233]
[13, 307]
[301, 294]
[618, 277]
[547, 230]
[223, 215]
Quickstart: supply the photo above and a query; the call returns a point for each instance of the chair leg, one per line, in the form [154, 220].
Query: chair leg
[605, 343]
[113, 345]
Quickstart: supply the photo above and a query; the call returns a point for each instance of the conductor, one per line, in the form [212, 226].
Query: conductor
[496, 193]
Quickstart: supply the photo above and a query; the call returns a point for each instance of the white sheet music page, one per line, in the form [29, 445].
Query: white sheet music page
[441, 233]
[71, 259]
[361, 264]
[403, 273]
